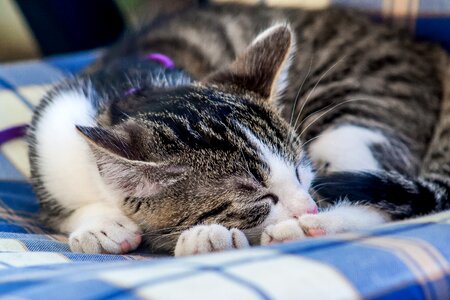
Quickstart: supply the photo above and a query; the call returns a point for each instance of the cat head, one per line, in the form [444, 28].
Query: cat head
[215, 151]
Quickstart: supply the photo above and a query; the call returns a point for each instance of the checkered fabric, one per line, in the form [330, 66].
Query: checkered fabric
[399, 261]
[409, 260]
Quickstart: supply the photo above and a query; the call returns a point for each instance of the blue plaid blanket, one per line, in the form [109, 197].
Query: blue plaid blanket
[408, 260]
[399, 261]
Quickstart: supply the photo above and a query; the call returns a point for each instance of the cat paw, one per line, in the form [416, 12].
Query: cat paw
[285, 231]
[113, 236]
[318, 225]
[309, 225]
[209, 238]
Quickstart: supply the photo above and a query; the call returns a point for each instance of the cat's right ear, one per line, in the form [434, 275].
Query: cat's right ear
[119, 158]
[263, 67]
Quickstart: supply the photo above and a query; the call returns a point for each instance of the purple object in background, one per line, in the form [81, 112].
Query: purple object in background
[162, 59]
[12, 133]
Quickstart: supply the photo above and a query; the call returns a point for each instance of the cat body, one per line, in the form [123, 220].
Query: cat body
[220, 152]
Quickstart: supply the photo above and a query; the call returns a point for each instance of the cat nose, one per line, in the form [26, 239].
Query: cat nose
[313, 210]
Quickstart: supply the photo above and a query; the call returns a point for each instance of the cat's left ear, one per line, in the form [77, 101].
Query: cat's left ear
[263, 67]
[119, 155]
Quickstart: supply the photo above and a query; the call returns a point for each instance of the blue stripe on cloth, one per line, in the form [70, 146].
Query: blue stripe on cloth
[8, 171]
[18, 196]
[73, 63]
[370, 5]
[40, 245]
[251, 286]
[29, 73]
[66, 289]
[82, 257]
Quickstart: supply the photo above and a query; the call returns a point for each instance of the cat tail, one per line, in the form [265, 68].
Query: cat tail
[399, 195]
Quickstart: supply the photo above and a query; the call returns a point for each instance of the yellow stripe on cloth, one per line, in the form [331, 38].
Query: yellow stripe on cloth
[27, 259]
[34, 93]
[402, 13]
[12, 245]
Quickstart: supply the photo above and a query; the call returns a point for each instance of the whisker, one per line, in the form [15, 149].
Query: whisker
[180, 228]
[299, 90]
[328, 111]
[315, 86]
[311, 140]
[315, 112]
[322, 186]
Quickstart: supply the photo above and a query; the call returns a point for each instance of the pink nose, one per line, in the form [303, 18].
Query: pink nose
[312, 210]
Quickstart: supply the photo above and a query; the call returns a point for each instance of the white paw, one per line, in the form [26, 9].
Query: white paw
[113, 235]
[285, 231]
[209, 238]
[320, 224]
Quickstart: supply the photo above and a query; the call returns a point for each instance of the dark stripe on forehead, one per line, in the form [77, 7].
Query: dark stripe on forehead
[197, 135]
[268, 118]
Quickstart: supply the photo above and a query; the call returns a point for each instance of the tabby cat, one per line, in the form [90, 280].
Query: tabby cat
[221, 152]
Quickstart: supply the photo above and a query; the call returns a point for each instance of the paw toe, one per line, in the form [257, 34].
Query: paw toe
[209, 238]
[315, 232]
[219, 238]
[238, 239]
[312, 225]
[106, 236]
[284, 231]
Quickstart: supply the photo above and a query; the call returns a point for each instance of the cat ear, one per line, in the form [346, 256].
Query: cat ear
[118, 156]
[263, 66]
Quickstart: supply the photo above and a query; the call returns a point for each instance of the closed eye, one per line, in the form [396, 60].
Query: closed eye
[273, 198]
[305, 175]
[247, 188]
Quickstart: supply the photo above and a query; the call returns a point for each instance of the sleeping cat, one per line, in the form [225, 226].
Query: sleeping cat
[221, 151]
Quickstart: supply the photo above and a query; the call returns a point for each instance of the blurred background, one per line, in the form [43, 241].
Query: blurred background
[36, 28]
[30, 28]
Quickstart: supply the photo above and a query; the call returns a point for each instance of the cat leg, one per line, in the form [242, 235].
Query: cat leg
[342, 217]
[346, 148]
[209, 238]
[101, 228]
